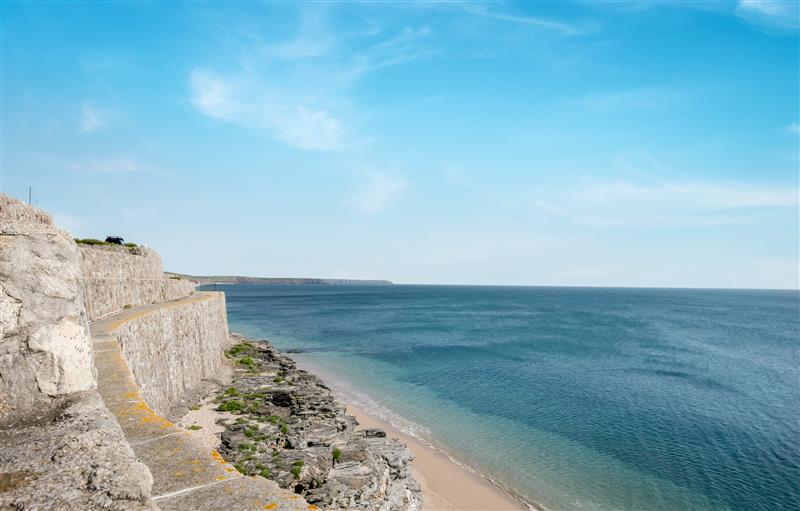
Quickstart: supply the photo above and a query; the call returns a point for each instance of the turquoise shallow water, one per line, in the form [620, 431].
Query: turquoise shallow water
[597, 399]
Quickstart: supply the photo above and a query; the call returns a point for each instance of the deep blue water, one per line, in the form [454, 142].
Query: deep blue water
[573, 398]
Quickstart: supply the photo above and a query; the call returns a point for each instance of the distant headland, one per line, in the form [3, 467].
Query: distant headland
[233, 279]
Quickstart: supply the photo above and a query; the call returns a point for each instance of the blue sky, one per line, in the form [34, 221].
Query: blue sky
[568, 143]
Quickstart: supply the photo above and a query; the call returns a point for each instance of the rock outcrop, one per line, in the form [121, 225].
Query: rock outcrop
[46, 351]
[61, 447]
[287, 426]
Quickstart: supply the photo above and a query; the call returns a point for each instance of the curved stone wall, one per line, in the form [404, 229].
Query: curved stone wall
[172, 347]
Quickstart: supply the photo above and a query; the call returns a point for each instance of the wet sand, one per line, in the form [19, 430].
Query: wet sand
[445, 485]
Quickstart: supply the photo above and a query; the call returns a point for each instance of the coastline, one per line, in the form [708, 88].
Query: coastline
[446, 486]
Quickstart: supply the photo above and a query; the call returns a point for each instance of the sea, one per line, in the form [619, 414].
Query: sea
[569, 398]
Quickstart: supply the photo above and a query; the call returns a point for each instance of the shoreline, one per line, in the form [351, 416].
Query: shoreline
[446, 485]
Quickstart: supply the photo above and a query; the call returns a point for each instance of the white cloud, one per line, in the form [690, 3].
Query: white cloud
[665, 204]
[793, 128]
[296, 90]
[776, 13]
[92, 119]
[107, 166]
[211, 94]
[559, 27]
[252, 104]
[380, 190]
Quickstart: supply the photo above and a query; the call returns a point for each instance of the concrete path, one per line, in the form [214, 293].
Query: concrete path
[187, 475]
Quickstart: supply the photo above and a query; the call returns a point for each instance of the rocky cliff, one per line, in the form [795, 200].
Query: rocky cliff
[46, 351]
[284, 424]
[61, 447]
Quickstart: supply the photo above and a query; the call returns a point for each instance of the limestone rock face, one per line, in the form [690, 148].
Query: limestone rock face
[75, 458]
[61, 447]
[45, 349]
[287, 426]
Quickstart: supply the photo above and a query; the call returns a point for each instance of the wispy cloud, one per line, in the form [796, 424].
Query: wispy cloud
[793, 128]
[92, 119]
[777, 13]
[298, 90]
[663, 204]
[536, 22]
[107, 166]
[251, 104]
[379, 191]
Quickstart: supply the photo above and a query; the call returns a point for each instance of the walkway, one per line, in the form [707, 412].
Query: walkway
[187, 475]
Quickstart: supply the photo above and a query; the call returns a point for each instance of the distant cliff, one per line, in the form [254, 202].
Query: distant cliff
[232, 279]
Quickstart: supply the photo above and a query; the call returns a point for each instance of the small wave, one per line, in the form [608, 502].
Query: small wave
[347, 394]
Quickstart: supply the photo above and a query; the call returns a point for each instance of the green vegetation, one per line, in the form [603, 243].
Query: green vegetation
[130, 245]
[297, 467]
[337, 453]
[247, 446]
[280, 422]
[247, 361]
[240, 468]
[90, 241]
[195, 407]
[233, 405]
[175, 277]
[231, 391]
[278, 380]
[195, 427]
[238, 348]
[265, 473]
[127, 306]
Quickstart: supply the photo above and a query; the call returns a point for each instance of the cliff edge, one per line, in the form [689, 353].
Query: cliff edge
[61, 447]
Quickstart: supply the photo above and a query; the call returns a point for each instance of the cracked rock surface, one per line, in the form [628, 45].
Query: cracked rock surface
[284, 424]
[60, 447]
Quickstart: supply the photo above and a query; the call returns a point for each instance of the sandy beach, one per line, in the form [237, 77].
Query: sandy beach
[445, 485]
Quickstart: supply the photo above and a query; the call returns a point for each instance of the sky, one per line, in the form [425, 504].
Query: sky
[563, 143]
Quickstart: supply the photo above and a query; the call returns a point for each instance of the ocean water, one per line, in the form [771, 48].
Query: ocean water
[571, 398]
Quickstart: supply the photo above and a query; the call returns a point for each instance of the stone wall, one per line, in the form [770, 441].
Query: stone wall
[62, 448]
[116, 276]
[45, 350]
[171, 349]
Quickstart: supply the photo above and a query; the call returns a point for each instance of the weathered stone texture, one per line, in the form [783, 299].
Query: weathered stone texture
[74, 459]
[45, 350]
[170, 349]
[61, 447]
[116, 276]
[287, 426]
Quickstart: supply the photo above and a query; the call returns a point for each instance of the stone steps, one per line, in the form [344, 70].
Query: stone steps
[187, 475]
